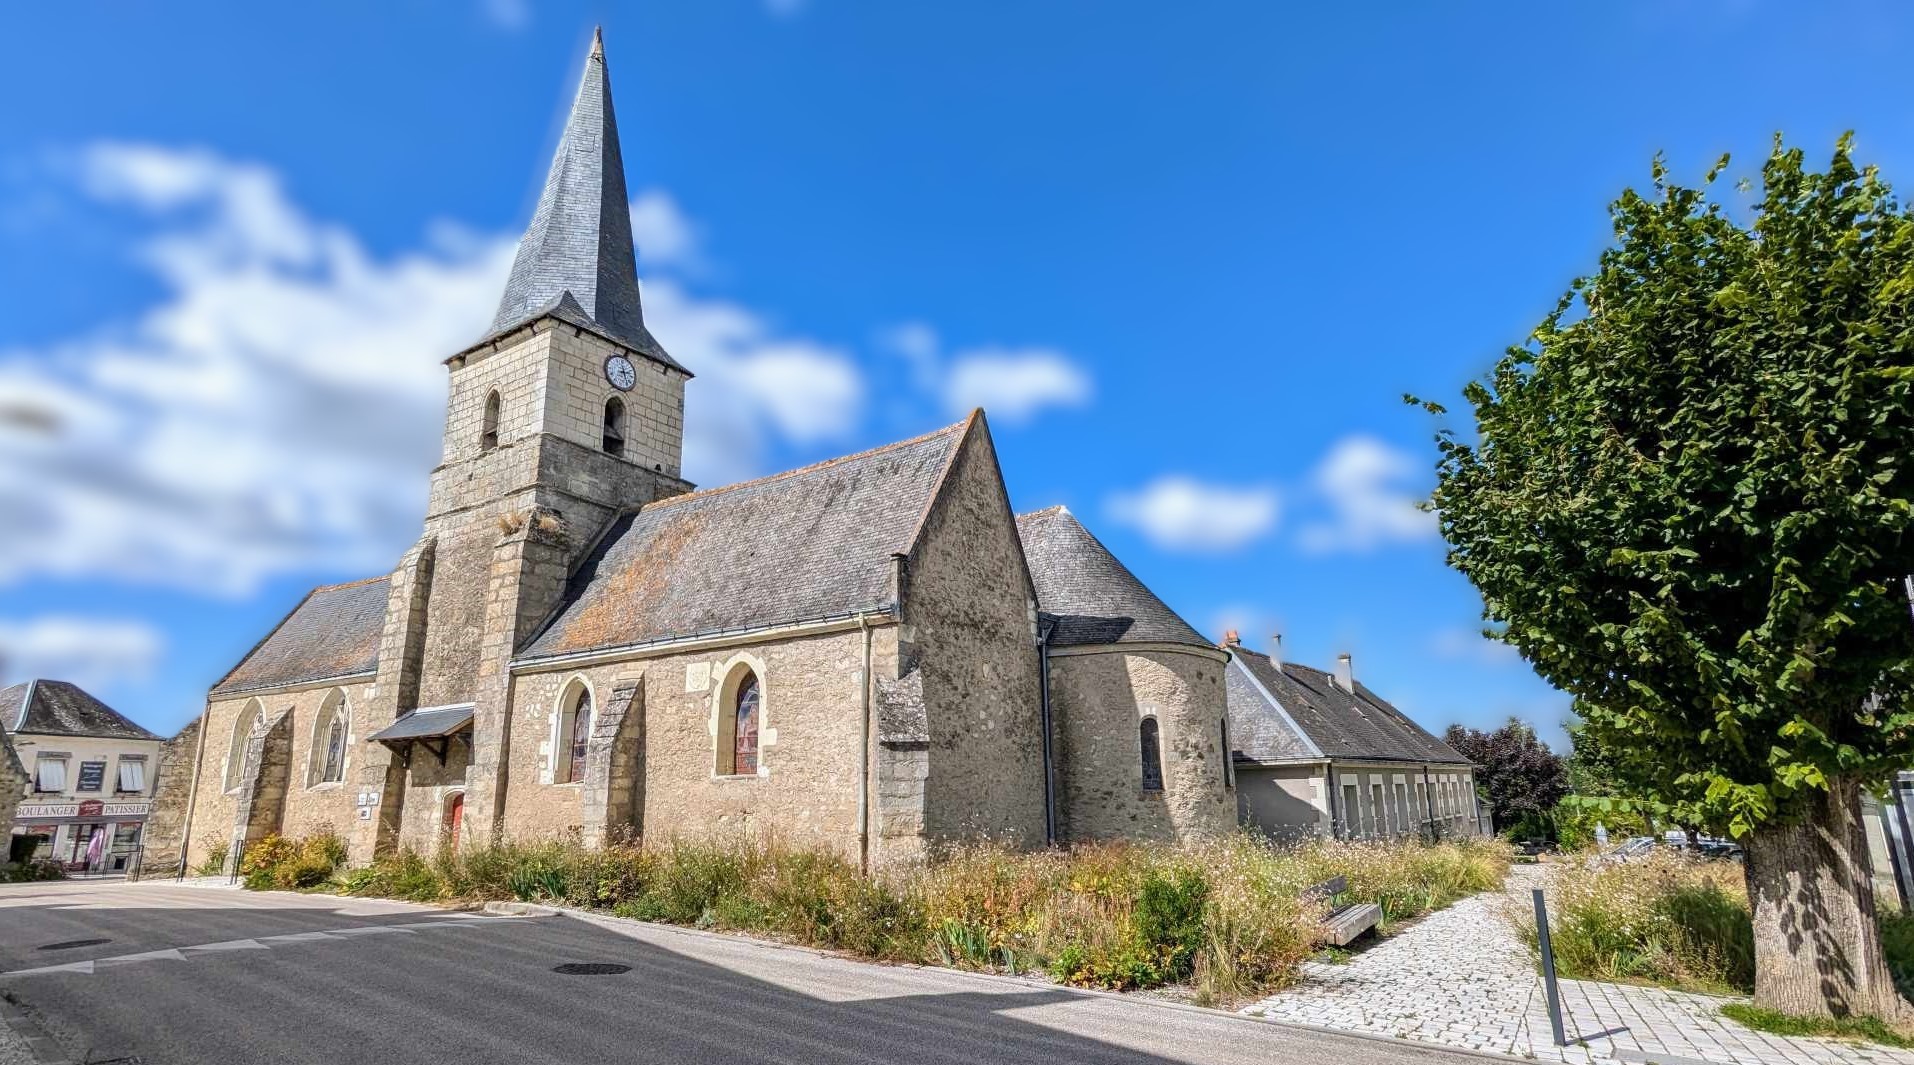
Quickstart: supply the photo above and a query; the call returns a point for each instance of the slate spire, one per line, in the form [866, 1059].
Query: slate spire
[576, 258]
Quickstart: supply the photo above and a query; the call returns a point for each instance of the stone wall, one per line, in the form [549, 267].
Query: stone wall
[806, 786]
[1098, 702]
[309, 805]
[429, 785]
[13, 786]
[164, 836]
[971, 614]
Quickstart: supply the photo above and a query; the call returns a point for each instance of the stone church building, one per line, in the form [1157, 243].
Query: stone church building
[870, 654]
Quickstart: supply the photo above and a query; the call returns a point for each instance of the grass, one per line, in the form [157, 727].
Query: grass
[1774, 1022]
[1223, 918]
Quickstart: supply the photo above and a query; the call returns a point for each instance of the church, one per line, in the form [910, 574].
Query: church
[871, 654]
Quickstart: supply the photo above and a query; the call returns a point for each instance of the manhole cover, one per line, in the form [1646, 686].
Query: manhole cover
[591, 968]
[71, 943]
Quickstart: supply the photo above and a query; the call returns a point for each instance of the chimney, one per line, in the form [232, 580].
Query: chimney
[1232, 639]
[1276, 648]
[1345, 673]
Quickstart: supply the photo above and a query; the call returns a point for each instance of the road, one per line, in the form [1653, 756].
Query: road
[194, 974]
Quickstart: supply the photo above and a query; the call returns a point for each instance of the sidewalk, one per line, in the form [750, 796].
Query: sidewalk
[1462, 978]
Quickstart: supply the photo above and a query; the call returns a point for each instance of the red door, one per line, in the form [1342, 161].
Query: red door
[454, 813]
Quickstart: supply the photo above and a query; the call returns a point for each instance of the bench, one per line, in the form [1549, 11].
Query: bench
[1343, 923]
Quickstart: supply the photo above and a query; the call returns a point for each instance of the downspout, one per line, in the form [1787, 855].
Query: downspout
[1428, 800]
[864, 754]
[1335, 803]
[192, 794]
[1049, 750]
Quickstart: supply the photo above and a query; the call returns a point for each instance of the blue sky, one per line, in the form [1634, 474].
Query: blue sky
[1189, 257]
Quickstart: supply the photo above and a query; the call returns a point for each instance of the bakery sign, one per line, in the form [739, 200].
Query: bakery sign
[90, 809]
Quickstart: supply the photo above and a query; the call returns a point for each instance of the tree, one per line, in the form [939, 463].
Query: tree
[1688, 505]
[1523, 778]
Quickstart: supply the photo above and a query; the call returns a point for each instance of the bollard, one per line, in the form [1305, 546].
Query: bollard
[1548, 970]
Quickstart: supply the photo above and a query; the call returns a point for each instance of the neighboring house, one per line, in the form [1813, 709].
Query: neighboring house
[849, 655]
[1320, 754]
[91, 773]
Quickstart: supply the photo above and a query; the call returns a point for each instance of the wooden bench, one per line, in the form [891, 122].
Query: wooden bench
[1344, 922]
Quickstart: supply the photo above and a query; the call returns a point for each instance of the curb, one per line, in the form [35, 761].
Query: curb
[42, 1046]
[595, 917]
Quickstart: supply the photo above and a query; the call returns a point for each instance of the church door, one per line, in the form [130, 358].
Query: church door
[454, 813]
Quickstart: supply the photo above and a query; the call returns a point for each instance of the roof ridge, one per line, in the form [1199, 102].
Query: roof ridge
[1055, 508]
[352, 584]
[812, 468]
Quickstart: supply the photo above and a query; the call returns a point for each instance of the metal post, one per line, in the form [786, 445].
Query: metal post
[1548, 970]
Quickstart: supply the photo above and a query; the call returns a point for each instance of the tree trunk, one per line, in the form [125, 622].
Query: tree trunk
[1817, 947]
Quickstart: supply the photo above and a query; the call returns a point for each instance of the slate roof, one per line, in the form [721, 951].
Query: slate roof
[427, 723]
[576, 260]
[1089, 596]
[333, 632]
[57, 708]
[805, 545]
[1316, 713]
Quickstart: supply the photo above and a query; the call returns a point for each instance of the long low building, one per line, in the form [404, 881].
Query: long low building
[1319, 753]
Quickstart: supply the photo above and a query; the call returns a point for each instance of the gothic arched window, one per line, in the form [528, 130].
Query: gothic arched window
[574, 736]
[329, 728]
[1151, 744]
[241, 742]
[488, 436]
[614, 426]
[738, 727]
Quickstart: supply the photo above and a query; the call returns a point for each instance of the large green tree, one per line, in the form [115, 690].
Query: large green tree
[1688, 503]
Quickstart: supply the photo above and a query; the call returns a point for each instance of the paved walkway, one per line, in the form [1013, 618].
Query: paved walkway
[1462, 978]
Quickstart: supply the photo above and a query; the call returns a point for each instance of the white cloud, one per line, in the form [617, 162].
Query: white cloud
[507, 14]
[92, 653]
[1182, 514]
[1360, 483]
[1011, 384]
[1014, 383]
[278, 407]
[664, 234]
[1469, 645]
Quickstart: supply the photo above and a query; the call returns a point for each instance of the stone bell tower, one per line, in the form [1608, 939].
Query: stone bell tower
[566, 412]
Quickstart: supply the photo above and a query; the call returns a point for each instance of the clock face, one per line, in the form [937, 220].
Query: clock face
[621, 373]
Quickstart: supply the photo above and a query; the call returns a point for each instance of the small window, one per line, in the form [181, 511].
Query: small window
[1150, 741]
[614, 426]
[132, 775]
[488, 436]
[49, 775]
[240, 745]
[574, 738]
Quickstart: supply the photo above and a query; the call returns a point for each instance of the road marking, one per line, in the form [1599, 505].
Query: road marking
[410, 928]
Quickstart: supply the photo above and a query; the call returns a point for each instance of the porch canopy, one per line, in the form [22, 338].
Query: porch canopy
[432, 726]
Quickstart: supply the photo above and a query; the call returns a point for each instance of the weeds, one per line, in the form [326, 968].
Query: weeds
[1223, 916]
[1774, 1022]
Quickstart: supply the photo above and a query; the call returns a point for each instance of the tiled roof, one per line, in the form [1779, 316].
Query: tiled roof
[57, 708]
[333, 632]
[1338, 724]
[1090, 597]
[805, 545]
[576, 260]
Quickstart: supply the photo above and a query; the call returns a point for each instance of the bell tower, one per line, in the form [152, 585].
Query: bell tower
[566, 412]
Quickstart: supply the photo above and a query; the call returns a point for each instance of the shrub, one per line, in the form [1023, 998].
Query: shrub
[215, 862]
[1663, 919]
[30, 871]
[290, 864]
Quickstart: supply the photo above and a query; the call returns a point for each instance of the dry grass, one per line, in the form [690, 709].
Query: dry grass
[1222, 917]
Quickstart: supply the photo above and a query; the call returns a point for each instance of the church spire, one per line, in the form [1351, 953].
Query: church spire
[576, 258]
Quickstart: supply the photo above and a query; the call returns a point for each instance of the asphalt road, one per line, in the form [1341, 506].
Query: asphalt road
[194, 975]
